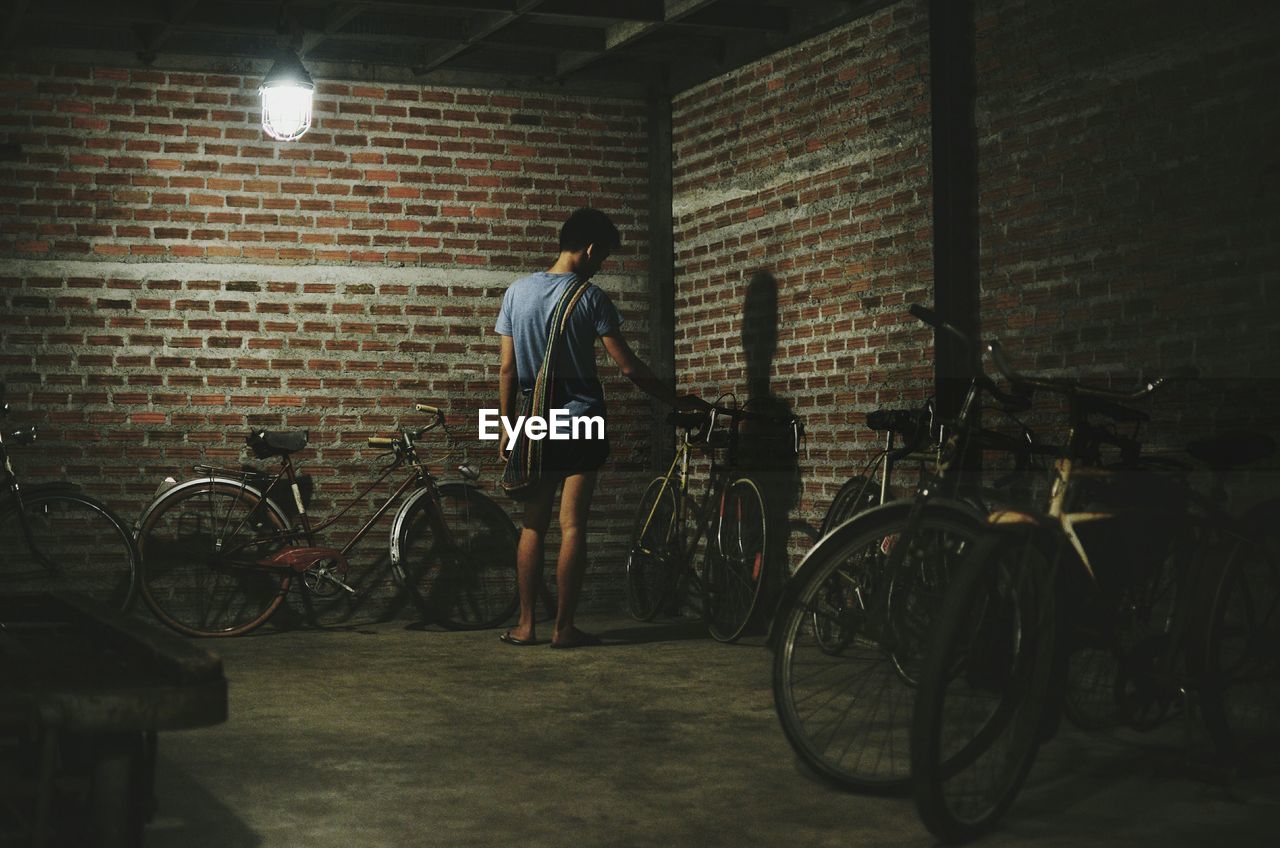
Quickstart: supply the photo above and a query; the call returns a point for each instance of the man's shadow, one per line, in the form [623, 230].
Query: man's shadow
[767, 451]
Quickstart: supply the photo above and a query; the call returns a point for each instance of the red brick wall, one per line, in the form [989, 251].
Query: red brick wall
[1128, 202]
[1129, 193]
[170, 277]
[149, 165]
[1130, 196]
[811, 170]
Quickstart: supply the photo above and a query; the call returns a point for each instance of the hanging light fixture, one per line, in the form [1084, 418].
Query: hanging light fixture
[286, 98]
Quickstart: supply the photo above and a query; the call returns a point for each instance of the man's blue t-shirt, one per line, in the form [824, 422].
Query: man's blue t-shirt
[526, 310]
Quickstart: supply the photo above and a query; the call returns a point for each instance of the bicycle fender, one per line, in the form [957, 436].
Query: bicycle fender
[402, 514]
[397, 523]
[1008, 517]
[195, 482]
[960, 510]
[1262, 515]
[60, 487]
[56, 487]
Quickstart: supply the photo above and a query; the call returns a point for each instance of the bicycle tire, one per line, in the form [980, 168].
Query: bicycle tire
[1235, 654]
[848, 721]
[1105, 683]
[858, 494]
[76, 543]
[187, 582]
[467, 581]
[984, 687]
[651, 577]
[736, 567]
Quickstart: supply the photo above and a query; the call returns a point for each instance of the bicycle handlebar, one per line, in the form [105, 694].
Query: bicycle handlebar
[792, 421]
[408, 437]
[1072, 387]
[23, 435]
[1012, 403]
[935, 321]
[706, 419]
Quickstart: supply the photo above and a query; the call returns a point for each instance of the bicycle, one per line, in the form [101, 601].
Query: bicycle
[219, 553]
[55, 537]
[848, 631]
[1118, 575]
[870, 487]
[735, 562]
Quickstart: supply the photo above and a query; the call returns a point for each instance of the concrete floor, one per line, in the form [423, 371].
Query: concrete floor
[386, 735]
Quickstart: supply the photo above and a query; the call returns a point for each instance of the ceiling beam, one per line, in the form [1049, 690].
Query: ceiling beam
[618, 10]
[154, 37]
[398, 29]
[479, 27]
[338, 17]
[621, 34]
[807, 20]
[750, 17]
[16, 13]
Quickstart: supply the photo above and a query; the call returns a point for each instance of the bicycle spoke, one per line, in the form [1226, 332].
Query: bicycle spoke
[188, 579]
[841, 693]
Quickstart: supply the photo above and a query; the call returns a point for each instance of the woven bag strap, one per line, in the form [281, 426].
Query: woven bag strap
[555, 334]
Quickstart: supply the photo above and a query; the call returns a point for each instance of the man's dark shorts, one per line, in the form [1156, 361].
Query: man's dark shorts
[564, 457]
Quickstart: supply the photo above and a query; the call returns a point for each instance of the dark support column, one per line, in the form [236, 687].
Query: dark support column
[955, 190]
[662, 293]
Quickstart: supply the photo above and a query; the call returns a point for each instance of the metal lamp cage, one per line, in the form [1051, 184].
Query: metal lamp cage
[286, 99]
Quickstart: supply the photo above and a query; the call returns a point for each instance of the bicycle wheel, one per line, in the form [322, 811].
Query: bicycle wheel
[984, 685]
[1236, 656]
[197, 576]
[734, 569]
[651, 574]
[1120, 642]
[67, 541]
[460, 562]
[856, 495]
[842, 644]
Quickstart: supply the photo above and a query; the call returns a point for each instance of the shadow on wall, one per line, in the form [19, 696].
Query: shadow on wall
[765, 450]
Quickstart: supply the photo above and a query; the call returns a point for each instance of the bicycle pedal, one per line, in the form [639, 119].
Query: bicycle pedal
[342, 585]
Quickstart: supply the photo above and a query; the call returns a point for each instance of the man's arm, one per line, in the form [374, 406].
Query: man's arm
[508, 386]
[639, 373]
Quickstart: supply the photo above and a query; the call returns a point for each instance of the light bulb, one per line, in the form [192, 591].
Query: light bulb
[286, 110]
[286, 98]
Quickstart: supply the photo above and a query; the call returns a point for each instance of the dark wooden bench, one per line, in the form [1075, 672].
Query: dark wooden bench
[84, 691]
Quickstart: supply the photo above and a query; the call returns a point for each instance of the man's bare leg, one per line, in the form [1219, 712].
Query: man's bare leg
[529, 555]
[575, 505]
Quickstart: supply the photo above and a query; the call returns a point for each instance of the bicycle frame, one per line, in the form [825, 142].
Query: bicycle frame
[678, 471]
[301, 559]
[12, 495]
[677, 474]
[1083, 441]
[295, 558]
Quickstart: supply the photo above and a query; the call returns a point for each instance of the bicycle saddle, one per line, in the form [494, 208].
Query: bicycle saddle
[1228, 450]
[269, 443]
[903, 421]
[1114, 411]
[687, 420]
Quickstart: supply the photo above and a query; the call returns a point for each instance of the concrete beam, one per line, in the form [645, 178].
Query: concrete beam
[662, 285]
[952, 80]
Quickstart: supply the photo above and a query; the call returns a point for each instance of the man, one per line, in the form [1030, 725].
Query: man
[586, 240]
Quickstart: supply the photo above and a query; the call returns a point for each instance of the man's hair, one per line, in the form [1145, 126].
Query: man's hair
[588, 226]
